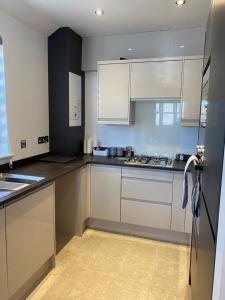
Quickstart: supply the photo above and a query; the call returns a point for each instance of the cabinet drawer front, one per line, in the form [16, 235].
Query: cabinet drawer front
[145, 214]
[148, 174]
[153, 191]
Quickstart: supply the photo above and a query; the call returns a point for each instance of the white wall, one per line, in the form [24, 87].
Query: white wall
[144, 45]
[26, 71]
[145, 136]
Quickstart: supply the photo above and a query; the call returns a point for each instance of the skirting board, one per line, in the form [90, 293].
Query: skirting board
[140, 231]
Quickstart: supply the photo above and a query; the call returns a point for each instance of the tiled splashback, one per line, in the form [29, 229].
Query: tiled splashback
[156, 130]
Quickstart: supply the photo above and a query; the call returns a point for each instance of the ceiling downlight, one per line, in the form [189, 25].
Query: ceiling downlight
[180, 2]
[99, 12]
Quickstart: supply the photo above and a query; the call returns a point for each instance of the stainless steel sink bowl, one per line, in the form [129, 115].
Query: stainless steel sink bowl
[15, 182]
[19, 178]
[12, 186]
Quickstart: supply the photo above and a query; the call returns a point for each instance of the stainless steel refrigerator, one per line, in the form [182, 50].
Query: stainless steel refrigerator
[212, 136]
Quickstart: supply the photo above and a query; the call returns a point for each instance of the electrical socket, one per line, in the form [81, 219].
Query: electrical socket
[23, 144]
[42, 139]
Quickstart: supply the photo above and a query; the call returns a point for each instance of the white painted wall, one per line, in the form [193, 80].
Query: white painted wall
[144, 135]
[219, 277]
[26, 71]
[144, 45]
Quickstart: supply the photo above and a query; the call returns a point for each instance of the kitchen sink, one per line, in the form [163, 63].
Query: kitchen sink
[19, 178]
[16, 182]
[12, 186]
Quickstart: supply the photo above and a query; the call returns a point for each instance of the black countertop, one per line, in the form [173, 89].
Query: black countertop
[52, 171]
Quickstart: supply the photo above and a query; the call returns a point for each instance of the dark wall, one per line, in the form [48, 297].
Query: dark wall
[64, 56]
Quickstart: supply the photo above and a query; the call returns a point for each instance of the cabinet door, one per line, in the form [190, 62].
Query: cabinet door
[105, 192]
[114, 93]
[191, 94]
[3, 268]
[30, 236]
[155, 80]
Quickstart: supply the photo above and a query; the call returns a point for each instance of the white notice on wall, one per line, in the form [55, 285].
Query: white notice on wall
[74, 100]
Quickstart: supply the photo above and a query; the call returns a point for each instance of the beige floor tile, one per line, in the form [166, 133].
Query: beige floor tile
[107, 266]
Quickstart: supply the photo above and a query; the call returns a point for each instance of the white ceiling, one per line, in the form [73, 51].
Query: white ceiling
[121, 16]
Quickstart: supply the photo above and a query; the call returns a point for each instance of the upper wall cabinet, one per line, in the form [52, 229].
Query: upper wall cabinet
[156, 80]
[114, 94]
[121, 83]
[191, 92]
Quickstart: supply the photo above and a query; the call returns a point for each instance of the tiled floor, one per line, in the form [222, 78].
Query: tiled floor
[108, 266]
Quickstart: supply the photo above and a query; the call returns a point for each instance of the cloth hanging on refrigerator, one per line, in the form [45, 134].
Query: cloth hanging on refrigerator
[185, 182]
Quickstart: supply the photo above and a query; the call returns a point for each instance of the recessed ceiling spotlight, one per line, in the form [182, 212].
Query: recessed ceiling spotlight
[181, 46]
[129, 49]
[180, 2]
[99, 12]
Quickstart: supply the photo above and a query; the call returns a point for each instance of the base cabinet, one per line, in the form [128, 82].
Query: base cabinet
[105, 192]
[72, 206]
[3, 265]
[30, 237]
[140, 197]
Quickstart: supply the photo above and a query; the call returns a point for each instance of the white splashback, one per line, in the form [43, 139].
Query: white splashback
[145, 135]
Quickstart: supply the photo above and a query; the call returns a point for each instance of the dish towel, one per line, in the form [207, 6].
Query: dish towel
[195, 197]
[185, 182]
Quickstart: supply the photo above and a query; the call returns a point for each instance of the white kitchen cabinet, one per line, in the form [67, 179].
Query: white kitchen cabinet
[30, 232]
[191, 92]
[146, 197]
[3, 265]
[105, 192]
[155, 80]
[114, 106]
[145, 214]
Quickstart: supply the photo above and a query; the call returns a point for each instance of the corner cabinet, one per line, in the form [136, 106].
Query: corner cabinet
[191, 92]
[114, 106]
[155, 80]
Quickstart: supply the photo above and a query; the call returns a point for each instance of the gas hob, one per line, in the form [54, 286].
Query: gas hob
[154, 161]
